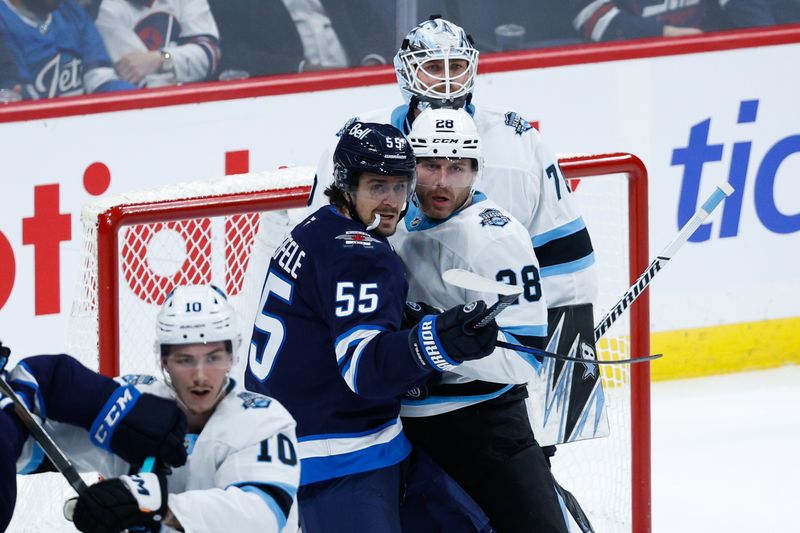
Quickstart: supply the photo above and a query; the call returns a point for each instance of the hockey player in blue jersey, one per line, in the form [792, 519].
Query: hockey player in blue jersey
[327, 343]
[57, 49]
[59, 388]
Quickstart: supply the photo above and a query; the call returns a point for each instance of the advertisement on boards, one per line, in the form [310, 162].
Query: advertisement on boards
[694, 119]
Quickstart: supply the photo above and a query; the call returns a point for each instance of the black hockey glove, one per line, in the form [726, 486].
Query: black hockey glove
[136, 425]
[120, 503]
[444, 341]
[414, 311]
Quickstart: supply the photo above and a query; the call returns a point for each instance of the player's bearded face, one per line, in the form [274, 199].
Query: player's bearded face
[443, 185]
[383, 196]
[439, 75]
[198, 373]
[42, 7]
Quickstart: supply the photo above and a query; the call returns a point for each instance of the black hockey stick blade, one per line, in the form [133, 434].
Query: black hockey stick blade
[503, 301]
[543, 353]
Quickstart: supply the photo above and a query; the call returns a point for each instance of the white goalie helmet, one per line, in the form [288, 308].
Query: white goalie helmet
[195, 314]
[436, 40]
[449, 133]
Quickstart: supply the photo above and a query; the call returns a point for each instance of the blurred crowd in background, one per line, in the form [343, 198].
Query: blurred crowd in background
[51, 48]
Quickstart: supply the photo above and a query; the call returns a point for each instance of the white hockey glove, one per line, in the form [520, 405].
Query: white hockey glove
[121, 503]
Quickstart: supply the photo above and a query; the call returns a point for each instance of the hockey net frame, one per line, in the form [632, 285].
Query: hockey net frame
[180, 202]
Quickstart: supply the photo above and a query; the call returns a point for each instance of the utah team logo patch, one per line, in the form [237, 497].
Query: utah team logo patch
[138, 379]
[357, 238]
[519, 124]
[253, 400]
[493, 217]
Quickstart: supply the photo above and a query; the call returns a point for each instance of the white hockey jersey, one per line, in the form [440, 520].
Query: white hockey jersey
[184, 28]
[522, 176]
[242, 468]
[485, 239]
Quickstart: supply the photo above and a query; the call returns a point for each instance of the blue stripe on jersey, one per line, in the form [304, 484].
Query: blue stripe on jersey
[538, 330]
[270, 501]
[348, 347]
[325, 436]
[37, 456]
[568, 268]
[476, 398]
[398, 118]
[529, 358]
[314, 469]
[31, 382]
[556, 233]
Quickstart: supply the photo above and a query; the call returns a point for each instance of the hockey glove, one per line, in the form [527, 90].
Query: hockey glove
[136, 425]
[120, 503]
[444, 341]
[414, 311]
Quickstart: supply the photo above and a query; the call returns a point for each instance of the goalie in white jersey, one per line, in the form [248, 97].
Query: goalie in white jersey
[242, 471]
[473, 420]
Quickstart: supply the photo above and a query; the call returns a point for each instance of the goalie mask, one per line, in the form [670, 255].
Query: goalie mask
[437, 64]
[195, 314]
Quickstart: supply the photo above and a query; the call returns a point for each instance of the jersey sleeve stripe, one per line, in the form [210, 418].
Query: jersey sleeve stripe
[528, 358]
[37, 457]
[268, 499]
[23, 375]
[556, 233]
[537, 330]
[565, 249]
[568, 268]
[348, 352]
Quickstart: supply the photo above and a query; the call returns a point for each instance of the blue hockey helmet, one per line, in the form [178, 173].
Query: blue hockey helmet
[436, 43]
[369, 147]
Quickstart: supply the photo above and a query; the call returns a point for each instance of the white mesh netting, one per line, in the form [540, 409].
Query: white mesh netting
[229, 251]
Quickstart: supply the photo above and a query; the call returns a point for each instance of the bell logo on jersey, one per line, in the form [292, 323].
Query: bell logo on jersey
[55, 79]
[493, 217]
[122, 400]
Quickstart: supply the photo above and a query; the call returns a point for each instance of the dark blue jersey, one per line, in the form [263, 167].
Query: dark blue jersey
[64, 55]
[326, 345]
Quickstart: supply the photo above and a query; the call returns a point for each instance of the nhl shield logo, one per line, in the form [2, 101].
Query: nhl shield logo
[493, 217]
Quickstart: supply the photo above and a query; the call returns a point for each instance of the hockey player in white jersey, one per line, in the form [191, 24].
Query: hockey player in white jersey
[473, 421]
[436, 66]
[242, 471]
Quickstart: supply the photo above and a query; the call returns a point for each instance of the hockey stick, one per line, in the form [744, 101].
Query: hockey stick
[50, 448]
[544, 353]
[507, 294]
[722, 191]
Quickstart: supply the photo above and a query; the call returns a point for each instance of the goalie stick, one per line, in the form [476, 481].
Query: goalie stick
[507, 294]
[722, 191]
[46, 442]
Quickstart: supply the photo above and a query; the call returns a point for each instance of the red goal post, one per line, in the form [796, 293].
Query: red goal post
[178, 208]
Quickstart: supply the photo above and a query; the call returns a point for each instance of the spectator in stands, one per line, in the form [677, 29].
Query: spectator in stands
[265, 37]
[160, 42]
[630, 19]
[56, 49]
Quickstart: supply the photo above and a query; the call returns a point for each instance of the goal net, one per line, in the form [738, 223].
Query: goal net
[140, 245]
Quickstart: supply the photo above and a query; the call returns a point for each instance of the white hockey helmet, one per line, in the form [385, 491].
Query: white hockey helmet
[449, 133]
[432, 40]
[195, 314]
